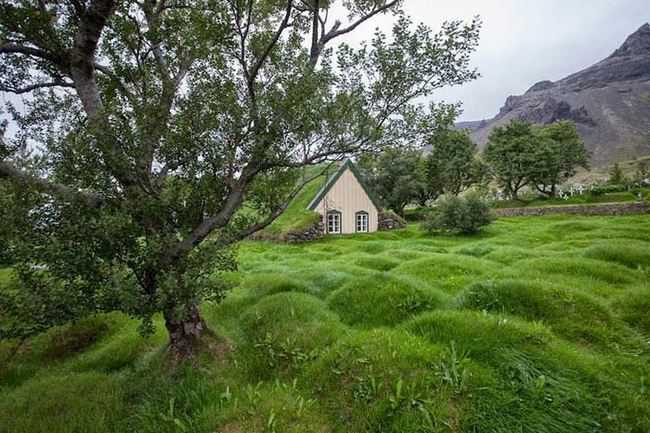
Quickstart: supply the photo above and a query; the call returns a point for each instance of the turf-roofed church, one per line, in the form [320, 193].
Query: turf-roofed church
[346, 203]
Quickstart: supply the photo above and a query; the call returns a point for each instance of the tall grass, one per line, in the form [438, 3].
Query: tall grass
[537, 324]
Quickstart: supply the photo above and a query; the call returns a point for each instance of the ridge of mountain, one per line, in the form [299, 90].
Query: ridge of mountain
[609, 102]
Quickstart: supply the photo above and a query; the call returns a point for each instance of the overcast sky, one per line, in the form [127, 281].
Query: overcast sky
[526, 41]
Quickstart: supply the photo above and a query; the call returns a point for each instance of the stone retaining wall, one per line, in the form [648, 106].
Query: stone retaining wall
[633, 208]
[389, 221]
[313, 233]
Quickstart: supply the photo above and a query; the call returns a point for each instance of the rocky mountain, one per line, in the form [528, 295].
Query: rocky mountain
[609, 101]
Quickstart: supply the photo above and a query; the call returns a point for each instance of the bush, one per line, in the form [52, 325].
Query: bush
[607, 189]
[460, 214]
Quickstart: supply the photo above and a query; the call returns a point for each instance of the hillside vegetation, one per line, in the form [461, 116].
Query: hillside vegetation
[297, 218]
[535, 325]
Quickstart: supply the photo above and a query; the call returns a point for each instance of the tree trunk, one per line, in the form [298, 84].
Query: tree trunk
[184, 334]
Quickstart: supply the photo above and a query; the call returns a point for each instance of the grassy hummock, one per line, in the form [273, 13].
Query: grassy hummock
[535, 324]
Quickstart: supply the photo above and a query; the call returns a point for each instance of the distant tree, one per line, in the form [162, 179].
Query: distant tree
[616, 176]
[395, 176]
[425, 192]
[511, 155]
[170, 130]
[642, 172]
[558, 152]
[452, 163]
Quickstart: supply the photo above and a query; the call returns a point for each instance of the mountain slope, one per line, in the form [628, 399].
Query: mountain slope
[609, 101]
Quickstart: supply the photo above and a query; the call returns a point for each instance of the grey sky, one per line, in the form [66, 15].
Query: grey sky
[526, 41]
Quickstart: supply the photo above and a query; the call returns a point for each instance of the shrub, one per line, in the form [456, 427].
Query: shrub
[465, 215]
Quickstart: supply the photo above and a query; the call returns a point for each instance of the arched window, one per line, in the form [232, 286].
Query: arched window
[334, 222]
[362, 222]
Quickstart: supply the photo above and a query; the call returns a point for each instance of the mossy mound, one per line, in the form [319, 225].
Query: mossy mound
[631, 254]
[634, 308]
[572, 315]
[283, 332]
[382, 300]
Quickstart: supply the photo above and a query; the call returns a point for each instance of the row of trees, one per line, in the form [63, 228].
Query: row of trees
[519, 154]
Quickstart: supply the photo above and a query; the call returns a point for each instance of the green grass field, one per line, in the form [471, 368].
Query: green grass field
[535, 325]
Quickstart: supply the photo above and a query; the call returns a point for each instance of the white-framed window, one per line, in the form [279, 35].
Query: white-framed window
[334, 222]
[362, 222]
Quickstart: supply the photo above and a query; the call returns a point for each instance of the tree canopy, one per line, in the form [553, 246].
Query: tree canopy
[559, 153]
[396, 175]
[521, 154]
[452, 163]
[157, 134]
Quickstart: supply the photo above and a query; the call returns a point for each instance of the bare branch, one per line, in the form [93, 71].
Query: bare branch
[31, 88]
[336, 31]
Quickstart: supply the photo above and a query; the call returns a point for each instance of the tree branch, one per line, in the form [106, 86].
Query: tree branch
[33, 52]
[335, 32]
[276, 37]
[10, 172]
[276, 212]
[27, 89]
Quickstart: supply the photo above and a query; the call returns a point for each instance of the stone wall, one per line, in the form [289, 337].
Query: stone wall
[390, 221]
[313, 233]
[596, 209]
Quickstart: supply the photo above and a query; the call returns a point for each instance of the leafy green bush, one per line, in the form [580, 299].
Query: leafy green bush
[467, 214]
[607, 189]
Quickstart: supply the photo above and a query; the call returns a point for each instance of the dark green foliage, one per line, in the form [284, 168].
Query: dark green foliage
[510, 153]
[557, 156]
[521, 153]
[642, 172]
[466, 215]
[165, 136]
[452, 165]
[396, 176]
[617, 177]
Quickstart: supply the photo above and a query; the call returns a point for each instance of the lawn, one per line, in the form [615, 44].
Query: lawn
[537, 324]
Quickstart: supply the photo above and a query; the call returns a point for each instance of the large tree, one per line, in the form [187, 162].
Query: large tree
[510, 154]
[452, 163]
[158, 133]
[396, 176]
[559, 152]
